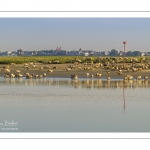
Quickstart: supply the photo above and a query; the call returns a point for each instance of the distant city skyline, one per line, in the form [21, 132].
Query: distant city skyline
[98, 34]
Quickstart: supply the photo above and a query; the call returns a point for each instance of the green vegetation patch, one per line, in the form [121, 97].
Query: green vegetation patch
[68, 59]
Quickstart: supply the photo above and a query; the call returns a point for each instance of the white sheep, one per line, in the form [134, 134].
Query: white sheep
[87, 74]
[68, 69]
[74, 76]
[139, 77]
[50, 70]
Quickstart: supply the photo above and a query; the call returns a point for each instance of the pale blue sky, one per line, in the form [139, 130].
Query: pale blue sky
[98, 34]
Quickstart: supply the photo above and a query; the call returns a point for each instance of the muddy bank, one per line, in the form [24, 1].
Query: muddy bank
[59, 70]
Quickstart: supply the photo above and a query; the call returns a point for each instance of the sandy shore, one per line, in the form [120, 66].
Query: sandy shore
[61, 72]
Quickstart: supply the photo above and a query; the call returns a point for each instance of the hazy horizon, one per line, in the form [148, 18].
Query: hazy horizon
[98, 34]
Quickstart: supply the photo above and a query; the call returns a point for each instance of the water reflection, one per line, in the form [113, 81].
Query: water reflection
[124, 100]
[83, 105]
[82, 83]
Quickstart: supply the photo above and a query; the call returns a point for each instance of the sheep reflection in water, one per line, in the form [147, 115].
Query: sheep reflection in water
[80, 83]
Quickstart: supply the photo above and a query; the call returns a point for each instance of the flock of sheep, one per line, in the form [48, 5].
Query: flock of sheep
[90, 69]
[124, 69]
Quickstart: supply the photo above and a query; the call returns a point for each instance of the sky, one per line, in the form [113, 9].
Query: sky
[97, 34]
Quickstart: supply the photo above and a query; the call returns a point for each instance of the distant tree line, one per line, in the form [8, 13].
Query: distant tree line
[114, 52]
[134, 53]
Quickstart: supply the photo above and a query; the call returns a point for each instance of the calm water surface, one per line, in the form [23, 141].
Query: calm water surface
[65, 105]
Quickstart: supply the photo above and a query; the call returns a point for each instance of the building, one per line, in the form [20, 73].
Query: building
[58, 48]
[142, 54]
[20, 52]
[86, 52]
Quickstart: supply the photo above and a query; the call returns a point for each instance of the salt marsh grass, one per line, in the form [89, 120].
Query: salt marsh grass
[68, 59]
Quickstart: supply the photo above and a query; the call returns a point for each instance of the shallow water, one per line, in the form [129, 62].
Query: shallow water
[65, 105]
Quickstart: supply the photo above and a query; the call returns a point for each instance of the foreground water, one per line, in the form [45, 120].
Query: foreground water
[65, 105]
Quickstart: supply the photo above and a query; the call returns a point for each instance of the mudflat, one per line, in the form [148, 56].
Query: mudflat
[61, 71]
